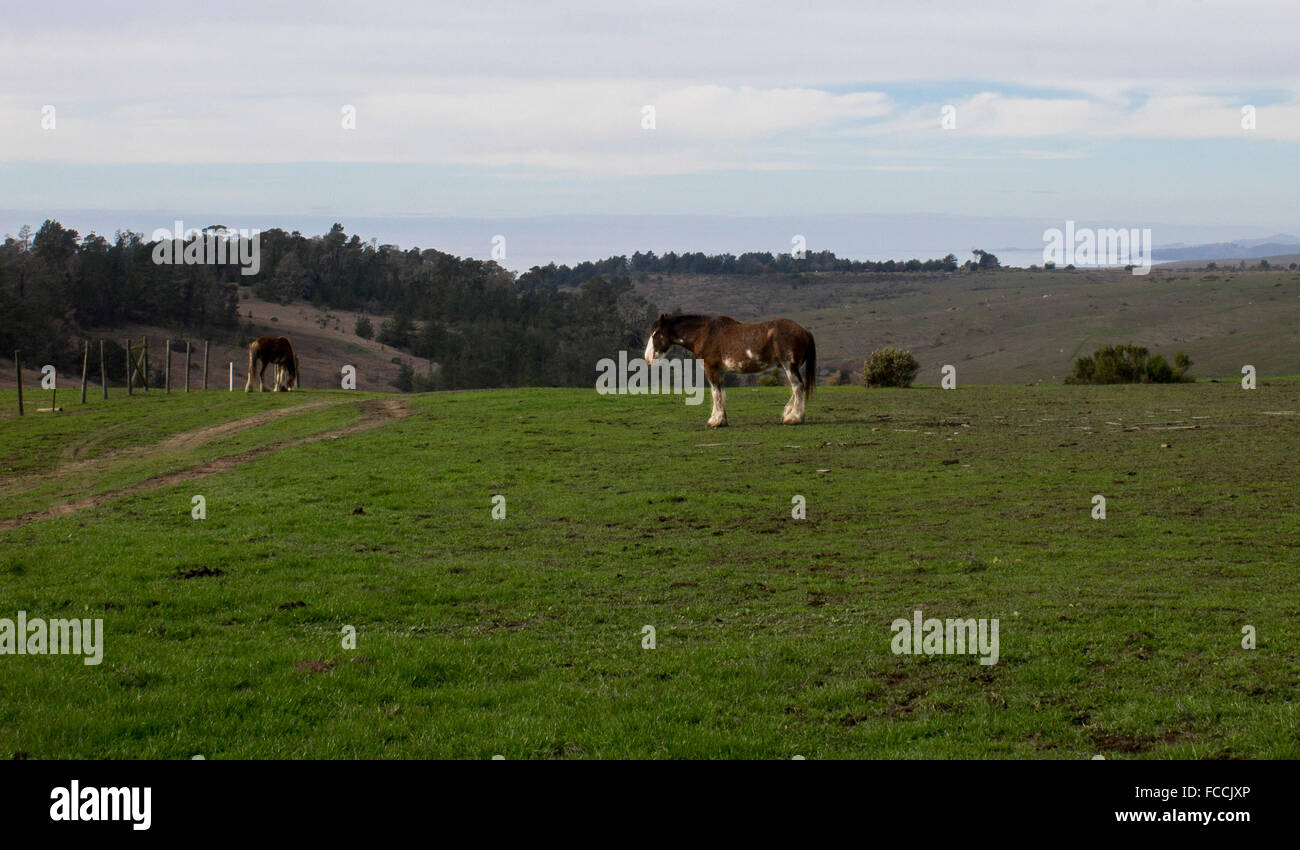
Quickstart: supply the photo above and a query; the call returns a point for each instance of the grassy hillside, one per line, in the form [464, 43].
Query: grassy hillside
[1002, 327]
[1018, 326]
[523, 636]
[324, 340]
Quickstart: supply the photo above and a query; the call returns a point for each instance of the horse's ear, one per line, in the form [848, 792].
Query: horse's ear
[663, 317]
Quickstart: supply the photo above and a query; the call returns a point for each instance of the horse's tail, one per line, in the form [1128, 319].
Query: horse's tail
[810, 367]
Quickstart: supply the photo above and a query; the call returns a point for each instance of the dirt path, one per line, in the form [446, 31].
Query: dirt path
[188, 439]
[374, 412]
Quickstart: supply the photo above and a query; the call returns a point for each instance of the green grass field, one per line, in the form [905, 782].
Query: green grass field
[522, 636]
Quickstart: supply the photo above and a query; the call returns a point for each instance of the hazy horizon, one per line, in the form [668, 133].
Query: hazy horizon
[534, 116]
[570, 240]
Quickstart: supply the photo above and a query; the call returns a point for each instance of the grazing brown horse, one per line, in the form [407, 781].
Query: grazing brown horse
[272, 351]
[725, 345]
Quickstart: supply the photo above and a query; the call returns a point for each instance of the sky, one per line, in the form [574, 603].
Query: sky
[578, 130]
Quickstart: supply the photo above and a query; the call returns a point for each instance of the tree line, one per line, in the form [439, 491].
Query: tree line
[55, 286]
[750, 263]
[480, 323]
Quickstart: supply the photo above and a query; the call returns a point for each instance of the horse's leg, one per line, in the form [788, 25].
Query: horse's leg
[793, 413]
[261, 377]
[794, 386]
[719, 417]
[252, 365]
[278, 375]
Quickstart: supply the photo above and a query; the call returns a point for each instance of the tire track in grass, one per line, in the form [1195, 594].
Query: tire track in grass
[180, 442]
[374, 412]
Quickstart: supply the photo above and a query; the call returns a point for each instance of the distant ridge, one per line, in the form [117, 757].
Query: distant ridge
[1241, 249]
[1277, 261]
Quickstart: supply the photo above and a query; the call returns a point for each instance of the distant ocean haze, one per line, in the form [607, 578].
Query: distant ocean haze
[572, 239]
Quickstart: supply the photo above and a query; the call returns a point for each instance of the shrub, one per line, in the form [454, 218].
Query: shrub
[770, 379]
[1120, 364]
[364, 329]
[405, 378]
[1159, 370]
[1128, 364]
[1084, 371]
[890, 367]
[397, 331]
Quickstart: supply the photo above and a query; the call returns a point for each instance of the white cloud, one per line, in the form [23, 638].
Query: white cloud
[247, 47]
[548, 90]
[994, 115]
[595, 127]
[571, 125]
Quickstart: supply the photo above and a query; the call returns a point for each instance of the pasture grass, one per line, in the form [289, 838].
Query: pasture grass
[93, 449]
[523, 636]
[1016, 326]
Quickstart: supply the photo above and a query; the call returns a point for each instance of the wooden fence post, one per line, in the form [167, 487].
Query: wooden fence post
[144, 379]
[187, 365]
[205, 364]
[129, 364]
[103, 371]
[167, 368]
[85, 362]
[18, 367]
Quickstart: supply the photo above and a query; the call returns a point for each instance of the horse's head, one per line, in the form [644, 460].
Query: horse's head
[289, 362]
[661, 339]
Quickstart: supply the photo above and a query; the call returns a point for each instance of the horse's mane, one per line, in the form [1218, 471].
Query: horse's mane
[687, 322]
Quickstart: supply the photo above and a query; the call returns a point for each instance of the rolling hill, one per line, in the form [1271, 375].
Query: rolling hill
[1014, 325]
[325, 340]
[996, 327]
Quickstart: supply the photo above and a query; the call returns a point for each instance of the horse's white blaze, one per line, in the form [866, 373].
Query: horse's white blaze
[650, 351]
[750, 354]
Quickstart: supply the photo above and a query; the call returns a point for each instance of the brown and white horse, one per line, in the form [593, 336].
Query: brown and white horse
[726, 345]
[272, 351]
